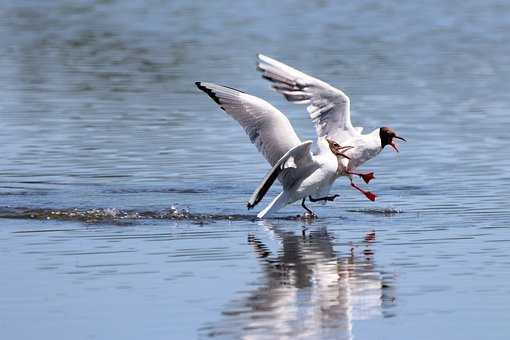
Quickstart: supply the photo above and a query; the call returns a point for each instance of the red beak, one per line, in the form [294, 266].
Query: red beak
[395, 145]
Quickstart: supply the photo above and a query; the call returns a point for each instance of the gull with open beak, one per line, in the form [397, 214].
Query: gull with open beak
[329, 109]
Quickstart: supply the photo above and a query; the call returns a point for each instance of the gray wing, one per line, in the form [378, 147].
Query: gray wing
[329, 108]
[265, 125]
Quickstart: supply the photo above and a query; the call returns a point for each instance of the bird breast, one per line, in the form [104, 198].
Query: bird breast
[365, 148]
[320, 180]
[362, 155]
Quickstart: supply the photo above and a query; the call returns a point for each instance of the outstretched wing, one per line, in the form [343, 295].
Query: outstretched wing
[329, 108]
[265, 125]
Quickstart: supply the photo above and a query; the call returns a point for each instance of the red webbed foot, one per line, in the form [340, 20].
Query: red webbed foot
[370, 195]
[366, 177]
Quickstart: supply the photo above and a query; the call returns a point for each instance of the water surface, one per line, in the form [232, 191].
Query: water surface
[123, 188]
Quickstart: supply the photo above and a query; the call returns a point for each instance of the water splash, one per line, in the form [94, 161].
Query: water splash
[378, 211]
[116, 215]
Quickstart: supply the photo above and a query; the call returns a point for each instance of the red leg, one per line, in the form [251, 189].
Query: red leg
[371, 196]
[366, 177]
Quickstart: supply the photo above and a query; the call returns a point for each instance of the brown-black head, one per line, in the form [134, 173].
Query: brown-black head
[387, 136]
[337, 149]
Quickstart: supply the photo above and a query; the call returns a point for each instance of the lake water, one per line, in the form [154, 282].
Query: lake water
[123, 188]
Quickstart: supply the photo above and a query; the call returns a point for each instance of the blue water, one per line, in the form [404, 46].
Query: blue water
[123, 188]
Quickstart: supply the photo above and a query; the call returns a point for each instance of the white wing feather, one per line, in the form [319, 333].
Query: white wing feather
[265, 125]
[329, 108]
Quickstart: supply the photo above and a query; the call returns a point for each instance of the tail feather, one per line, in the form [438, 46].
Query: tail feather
[286, 163]
[279, 202]
[264, 186]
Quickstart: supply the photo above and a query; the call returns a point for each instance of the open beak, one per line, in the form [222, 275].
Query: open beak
[395, 145]
[341, 151]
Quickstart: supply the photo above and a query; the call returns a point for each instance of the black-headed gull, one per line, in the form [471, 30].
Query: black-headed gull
[329, 109]
[301, 173]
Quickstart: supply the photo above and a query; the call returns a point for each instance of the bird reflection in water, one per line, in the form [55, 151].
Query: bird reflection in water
[308, 290]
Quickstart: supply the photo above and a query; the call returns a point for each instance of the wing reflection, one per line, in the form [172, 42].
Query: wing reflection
[308, 290]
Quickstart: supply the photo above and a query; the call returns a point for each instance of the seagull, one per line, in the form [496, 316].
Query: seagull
[329, 109]
[303, 174]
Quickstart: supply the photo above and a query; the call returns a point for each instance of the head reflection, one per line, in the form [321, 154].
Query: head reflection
[308, 290]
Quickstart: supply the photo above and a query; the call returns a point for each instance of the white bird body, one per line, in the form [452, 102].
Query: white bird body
[365, 147]
[319, 182]
[301, 173]
[316, 184]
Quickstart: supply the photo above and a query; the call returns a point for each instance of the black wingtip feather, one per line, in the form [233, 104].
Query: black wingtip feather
[208, 91]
